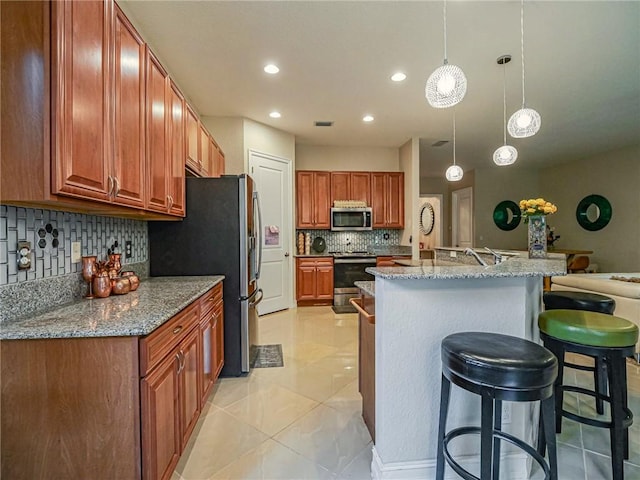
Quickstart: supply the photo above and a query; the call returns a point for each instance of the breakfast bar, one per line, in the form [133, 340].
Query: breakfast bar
[416, 307]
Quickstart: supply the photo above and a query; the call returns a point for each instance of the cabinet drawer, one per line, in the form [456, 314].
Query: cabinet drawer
[155, 346]
[210, 299]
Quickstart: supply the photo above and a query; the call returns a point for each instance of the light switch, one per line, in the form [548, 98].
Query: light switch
[76, 254]
[453, 254]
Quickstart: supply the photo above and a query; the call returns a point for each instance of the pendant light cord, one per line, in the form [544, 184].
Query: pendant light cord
[444, 16]
[522, 46]
[504, 101]
[454, 137]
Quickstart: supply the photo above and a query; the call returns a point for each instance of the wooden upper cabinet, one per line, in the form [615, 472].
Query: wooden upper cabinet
[157, 147]
[178, 151]
[387, 199]
[81, 94]
[128, 172]
[351, 186]
[193, 140]
[313, 198]
[204, 152]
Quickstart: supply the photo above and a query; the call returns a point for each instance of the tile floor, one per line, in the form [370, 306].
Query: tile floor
[302, 421]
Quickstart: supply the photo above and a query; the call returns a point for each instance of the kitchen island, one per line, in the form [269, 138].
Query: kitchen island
[416, 307]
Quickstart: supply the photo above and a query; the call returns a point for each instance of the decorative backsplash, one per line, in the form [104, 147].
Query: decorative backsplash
[51, 233]
[355, 241]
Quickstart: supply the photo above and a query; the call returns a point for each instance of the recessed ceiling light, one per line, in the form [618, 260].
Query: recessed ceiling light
[398, 77]
[367, 118]
[275, 114]
[271, 68]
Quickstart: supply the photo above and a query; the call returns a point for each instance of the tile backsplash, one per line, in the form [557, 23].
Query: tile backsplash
[51, 233]
[355, 241]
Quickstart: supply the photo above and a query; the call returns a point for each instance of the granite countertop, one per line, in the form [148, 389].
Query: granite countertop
[138, 313]
[554, 264]
[367, 287]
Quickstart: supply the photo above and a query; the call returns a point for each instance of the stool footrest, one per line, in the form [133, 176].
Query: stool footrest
[626, 423]
[457, 432]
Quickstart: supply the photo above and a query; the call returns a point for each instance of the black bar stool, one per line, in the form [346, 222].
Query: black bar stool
[498, 368]
[609, 339]
[591, 302]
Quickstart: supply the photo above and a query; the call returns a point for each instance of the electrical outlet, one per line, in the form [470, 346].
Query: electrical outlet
[506, 412]
[453, 254]
[128, 249]
[76, 252]
[24, 255]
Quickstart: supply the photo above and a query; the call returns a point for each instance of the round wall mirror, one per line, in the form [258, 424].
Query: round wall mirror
[593, 212]
[507, 215]
[427, 218]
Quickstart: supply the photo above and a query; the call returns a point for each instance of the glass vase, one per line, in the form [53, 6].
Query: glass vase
[537, 228]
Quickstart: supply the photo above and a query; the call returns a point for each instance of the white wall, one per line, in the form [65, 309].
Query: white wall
[409, 164]
[368, 159]
[266, 139]
[614, 175]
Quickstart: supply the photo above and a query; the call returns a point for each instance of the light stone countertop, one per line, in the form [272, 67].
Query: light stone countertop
[554, 264]
[367, 287]
[138, 313]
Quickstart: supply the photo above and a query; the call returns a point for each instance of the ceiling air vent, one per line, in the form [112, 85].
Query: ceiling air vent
[323, 124]
[440, 143]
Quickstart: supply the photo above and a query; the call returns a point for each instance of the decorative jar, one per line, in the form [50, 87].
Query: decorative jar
[537, 232]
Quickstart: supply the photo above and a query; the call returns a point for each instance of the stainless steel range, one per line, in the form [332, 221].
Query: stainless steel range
[348, 268]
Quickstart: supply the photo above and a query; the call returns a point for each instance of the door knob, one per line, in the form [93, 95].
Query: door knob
[286, 254]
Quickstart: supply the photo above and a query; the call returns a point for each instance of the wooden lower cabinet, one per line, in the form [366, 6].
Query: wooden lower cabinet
[117, 407]
[367, 364]
[314, 280]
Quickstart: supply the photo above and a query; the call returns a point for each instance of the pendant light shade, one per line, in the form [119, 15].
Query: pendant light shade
[447, 85]
[526, 121]
[454, 173]
[506, 154]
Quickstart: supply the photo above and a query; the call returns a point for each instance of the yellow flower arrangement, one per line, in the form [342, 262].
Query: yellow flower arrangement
[536, 206]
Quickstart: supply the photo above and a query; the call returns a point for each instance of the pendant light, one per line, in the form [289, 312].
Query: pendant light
[506, 154]
[526, 121]
[454, 173]
[447, 85]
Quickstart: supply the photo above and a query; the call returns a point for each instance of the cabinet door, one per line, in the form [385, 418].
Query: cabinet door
[378, 199]
[193, 141]
[207, 347]
[322, 199]
[204, 152]
[81, 133]
[218, 333]
[367, 364]
[340, 186]
[306, 280]
[324, 280]
[177, 152]
[360, 186]
[157, 154]
[395, 200]
[304, 199]
[160, 419]
[189, 386]
[129, 150]
[221, 162]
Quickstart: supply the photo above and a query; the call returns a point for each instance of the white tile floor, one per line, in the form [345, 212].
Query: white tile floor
[302, 421]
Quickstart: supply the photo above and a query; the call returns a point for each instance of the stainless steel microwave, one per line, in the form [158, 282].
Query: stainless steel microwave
[344, 219]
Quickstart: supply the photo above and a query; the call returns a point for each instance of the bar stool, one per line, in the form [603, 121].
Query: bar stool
[592, 302]
[609, 339]
[498, 368]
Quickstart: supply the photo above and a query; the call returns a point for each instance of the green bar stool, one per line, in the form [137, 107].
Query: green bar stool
[609, 339]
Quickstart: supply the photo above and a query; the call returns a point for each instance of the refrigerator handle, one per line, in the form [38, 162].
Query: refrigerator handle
[256, 200]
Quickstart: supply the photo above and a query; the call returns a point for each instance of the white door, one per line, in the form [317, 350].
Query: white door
[462, 221]
[272, 176]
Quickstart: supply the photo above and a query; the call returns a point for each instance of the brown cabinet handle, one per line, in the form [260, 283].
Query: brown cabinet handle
[179, 363]
[116, 189]
[177, 329]
[110, 186]
[370, 318]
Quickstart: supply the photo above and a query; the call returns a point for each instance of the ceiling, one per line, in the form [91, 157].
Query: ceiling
[582, 71]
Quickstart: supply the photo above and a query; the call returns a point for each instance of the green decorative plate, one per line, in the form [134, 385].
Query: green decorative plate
[507, 215]
[593, 212]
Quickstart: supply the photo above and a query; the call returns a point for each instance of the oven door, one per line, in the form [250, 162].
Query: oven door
[347, 271]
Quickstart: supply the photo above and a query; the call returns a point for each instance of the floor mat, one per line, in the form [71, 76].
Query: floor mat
[344, 309]
[265, 356]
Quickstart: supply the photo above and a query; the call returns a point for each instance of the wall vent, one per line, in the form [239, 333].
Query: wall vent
[440, 143]
[323, 123]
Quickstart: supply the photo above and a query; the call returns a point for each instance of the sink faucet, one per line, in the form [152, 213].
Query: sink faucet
[497, 257]
[470, 251]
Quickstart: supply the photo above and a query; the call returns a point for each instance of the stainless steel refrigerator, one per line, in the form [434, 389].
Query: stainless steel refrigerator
[220, 235]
